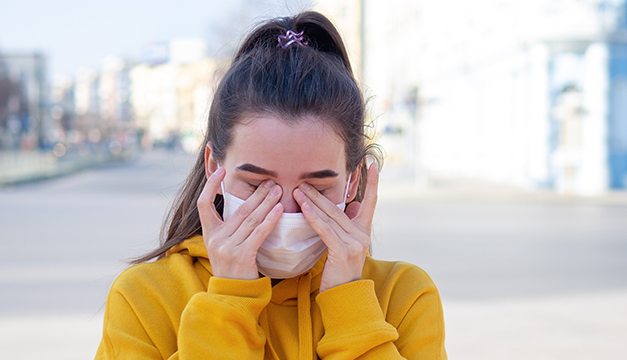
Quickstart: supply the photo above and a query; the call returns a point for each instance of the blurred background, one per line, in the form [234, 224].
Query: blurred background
[504, 125]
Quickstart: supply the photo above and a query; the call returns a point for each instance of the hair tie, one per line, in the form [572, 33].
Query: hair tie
[291, 37]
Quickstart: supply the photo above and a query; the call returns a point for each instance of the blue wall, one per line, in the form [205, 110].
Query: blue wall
[617, 117]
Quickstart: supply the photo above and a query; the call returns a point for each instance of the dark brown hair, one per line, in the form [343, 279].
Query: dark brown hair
[297, 83]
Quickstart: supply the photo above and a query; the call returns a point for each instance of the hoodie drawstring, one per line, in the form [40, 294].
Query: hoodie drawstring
[305, 335]
[263, 322]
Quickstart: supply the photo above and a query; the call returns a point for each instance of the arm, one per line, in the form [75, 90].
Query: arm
[354, 324]
[356, 327]
[221, 323]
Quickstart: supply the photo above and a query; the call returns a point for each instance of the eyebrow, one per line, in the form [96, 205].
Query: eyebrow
[322, 174]
[255, 169]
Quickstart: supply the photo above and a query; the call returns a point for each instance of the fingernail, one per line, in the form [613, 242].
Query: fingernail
[276, 208]
[375, 166]
[305, 186]
[299, 194]
[276, 190]
[219, 171]
[268, 184]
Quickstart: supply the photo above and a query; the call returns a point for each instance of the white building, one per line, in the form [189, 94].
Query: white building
[170, 100]
[528, 93]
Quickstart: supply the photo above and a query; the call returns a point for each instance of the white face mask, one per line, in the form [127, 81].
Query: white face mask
[292, 247]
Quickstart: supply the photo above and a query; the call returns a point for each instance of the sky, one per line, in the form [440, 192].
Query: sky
[74, 34]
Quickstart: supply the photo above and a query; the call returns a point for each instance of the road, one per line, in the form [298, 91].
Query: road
[521, 276]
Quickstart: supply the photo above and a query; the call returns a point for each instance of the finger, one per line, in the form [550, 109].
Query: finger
[206, 209]
[333, 215]
[322, 225]
[255, 219]
[352, 209]
[366, 210]
[306, 192]
[261, 232]
[248, 206]
[331, 231]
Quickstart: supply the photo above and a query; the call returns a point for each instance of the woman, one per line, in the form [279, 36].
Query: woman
[259, 259]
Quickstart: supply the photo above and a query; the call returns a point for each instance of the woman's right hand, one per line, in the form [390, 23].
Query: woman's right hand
[232, 245]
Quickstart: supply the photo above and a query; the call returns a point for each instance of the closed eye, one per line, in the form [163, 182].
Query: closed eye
[256, 186]
[253, 186]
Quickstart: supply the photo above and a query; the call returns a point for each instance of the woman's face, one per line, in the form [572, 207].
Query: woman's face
[267, 148]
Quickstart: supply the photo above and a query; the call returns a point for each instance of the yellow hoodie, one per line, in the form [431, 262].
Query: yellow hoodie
[174, 309]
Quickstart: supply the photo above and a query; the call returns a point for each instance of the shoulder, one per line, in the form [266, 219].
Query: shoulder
[174, 274]
[399, 284]
[410, 303]
[397, 273]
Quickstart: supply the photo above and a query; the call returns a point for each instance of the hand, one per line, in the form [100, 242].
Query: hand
[232, 245]
[347, 235]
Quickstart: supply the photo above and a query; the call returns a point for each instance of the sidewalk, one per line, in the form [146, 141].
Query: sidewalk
[19, 167]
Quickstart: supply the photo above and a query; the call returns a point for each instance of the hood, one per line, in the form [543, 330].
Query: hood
[284, 293]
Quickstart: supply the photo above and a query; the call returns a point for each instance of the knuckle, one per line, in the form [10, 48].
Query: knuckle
[268, 202]
[314, 195]
[328, 221]
[261, 231]
[252, 221]
[202, 203]
[242, 210]
[335, 211]
[327, 228]
[212, 246]
[355, 248]
[222, 252]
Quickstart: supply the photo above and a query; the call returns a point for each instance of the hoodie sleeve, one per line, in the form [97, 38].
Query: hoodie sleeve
[356, 327]
[221, 323]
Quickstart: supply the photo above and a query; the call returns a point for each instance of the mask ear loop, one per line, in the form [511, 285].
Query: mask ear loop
[221, 182]
[347, 185]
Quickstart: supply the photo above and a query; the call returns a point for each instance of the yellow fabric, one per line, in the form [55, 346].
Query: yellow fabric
[174, 309]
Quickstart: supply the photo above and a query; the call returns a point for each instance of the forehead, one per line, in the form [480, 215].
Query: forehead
[272, 143]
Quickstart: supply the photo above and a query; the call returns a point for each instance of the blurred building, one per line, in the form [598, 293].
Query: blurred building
[23, 101]
[529, 93]
[170, 97]
[114, 93]
[86, 101]
[347, 16]
[63, 107]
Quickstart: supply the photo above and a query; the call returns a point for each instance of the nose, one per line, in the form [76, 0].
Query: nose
[289, 204]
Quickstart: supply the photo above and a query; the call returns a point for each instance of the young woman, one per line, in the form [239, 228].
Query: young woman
[262, 258]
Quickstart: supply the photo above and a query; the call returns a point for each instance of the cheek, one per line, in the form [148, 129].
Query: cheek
[335, 194]
[243, 190]
[236, 187]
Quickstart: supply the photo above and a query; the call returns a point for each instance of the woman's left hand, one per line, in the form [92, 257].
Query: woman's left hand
[347, 235]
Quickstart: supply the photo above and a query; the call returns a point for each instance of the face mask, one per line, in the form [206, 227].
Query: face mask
[292, 247]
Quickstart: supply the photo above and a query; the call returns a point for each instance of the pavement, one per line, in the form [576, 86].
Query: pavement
[19, 167]
[522, 275]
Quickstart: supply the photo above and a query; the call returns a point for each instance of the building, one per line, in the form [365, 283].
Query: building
[525, 93]
[170, 100]
[63, 107]
[24, 123]
[347, 16]
[114, 96]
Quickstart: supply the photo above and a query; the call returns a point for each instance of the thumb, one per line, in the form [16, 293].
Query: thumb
[352, 209]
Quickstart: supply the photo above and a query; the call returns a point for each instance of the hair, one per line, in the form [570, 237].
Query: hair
[297, 83]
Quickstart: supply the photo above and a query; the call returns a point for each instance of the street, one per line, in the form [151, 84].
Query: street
[521, 277]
